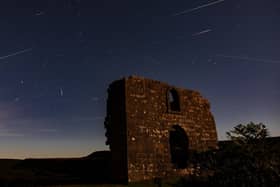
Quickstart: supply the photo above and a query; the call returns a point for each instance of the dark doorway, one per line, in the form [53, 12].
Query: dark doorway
[179, 145]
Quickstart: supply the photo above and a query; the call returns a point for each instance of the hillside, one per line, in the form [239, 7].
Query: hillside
[89, 169]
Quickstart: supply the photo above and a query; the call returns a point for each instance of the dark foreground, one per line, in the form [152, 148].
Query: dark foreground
[252, 165]
[56, 171]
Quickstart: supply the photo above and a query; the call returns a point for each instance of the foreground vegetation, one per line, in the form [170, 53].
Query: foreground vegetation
[249, 159]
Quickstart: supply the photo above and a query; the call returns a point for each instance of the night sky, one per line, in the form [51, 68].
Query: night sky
[58, 57]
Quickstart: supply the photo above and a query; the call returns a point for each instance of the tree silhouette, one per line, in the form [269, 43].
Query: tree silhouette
[248, 133]
[248, 159]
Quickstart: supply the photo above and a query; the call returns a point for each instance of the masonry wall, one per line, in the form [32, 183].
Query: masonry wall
[116, 130]
[149, 120]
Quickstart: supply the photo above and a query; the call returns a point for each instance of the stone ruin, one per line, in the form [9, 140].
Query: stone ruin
[152, 126]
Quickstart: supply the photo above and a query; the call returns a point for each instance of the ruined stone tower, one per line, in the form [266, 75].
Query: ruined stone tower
[152, 126]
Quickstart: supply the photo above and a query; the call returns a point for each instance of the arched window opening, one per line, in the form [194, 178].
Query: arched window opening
[173, 100]
[179, 145]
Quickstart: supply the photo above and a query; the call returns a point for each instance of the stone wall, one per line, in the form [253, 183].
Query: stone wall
[159, 125]
[115, 124]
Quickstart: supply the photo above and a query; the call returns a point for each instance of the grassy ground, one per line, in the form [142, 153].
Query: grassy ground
[169, 183]
[109, 185]
[112, 185]
[93, 185]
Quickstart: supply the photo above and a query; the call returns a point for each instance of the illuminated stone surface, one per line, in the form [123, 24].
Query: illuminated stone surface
[151, 126]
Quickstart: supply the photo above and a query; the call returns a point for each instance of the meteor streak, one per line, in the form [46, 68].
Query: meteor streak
[197, 8]
[259, 60]
[16, 53]
[202, 32]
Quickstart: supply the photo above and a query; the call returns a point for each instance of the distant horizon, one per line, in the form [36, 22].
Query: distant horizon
[63, 156]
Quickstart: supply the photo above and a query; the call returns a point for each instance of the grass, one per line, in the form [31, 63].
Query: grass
[139, 184]
[111, 185]
[88, 185]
